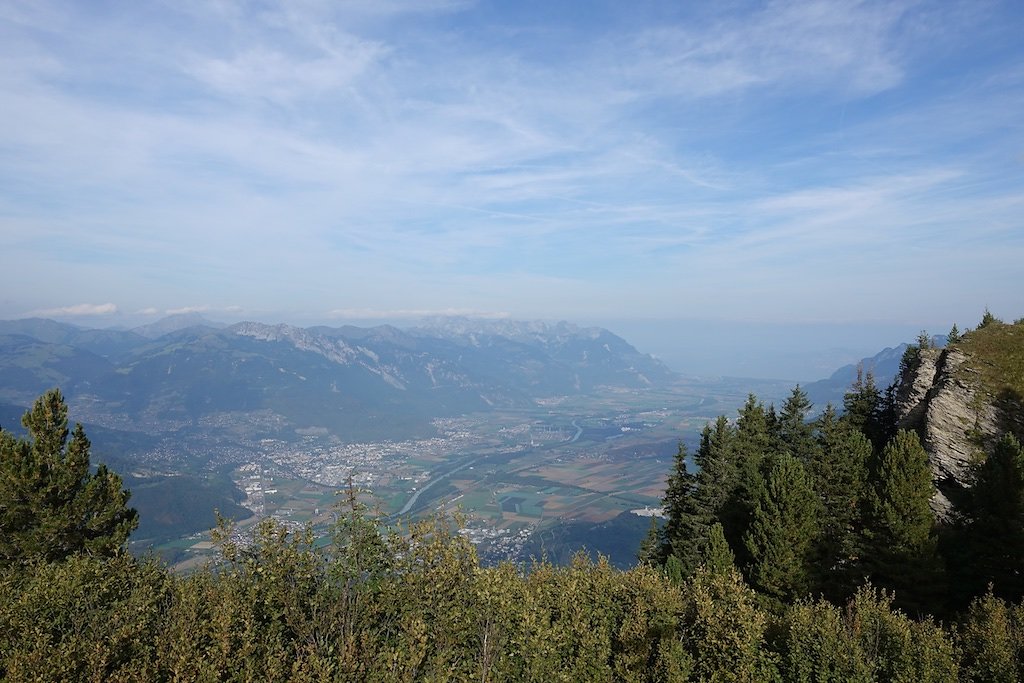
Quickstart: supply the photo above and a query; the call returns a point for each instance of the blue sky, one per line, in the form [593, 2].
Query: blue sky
[841, 166]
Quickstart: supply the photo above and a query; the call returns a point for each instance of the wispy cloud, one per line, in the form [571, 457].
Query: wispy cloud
[77, 310]
[434, 155]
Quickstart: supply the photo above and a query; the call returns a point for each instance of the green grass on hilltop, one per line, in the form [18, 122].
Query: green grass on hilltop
[996, 353]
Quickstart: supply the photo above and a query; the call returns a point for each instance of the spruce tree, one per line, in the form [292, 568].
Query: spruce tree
[887, 424]
[839, 475]
[901, 536]
[954, 335]
[651, 547]
[862, 408]
[51, 505]
[753, 442]
[783, 531]
[995, 532]
[716, 556]
[686, 522]
[752, 433]
[796, 433]
[717, 475]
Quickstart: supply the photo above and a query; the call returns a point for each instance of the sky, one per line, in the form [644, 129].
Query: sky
[769, 179]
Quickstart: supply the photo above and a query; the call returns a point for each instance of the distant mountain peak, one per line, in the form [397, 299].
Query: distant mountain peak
[173, 323]
[519, 330]
[335, 350]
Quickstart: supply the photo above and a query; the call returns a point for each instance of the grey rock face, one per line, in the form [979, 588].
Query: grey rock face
[941, 401]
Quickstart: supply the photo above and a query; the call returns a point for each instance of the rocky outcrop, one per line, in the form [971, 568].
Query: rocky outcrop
[944, 401]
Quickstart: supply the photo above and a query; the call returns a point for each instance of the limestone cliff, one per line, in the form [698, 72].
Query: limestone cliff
[960, 400]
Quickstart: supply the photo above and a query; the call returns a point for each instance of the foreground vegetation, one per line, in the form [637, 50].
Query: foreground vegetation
[417, 606]
[782, 510]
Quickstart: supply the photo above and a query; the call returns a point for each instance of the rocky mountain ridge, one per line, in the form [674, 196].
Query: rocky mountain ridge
[960, 400]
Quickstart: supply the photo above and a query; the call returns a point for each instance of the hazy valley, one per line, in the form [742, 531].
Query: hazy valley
[546, 436]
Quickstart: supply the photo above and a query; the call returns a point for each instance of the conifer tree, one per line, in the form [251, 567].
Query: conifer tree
[783, 531]
[686, 522]
[752, 433]
[887, 424]
[771, 418]
[754, 440]
[717, 475]
[995, 532]
[901, 537]
[715, 555]
[954, 335]
[693, 502]
[862, 408]
[839, 477]
[51, 505]
[651, 546]
[796, 434]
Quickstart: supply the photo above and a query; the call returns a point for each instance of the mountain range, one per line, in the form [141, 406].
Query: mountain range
[357, 383]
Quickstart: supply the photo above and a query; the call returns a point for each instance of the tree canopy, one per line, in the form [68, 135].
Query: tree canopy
[52, 505]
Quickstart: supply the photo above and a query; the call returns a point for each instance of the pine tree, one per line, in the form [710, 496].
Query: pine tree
[717, 475]
[901, 537]
[783, 531]
[839, 477]
[686, 522]
[51, 505]
[954, 335]
[995, 533]
[693, 502]
[716, 556]
[862, 408]
[651, 547]
[887, 424]
[752, 433]
[796, 434]
[753, 442]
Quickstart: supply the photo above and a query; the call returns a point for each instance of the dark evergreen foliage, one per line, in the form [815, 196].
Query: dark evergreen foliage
[686, 521]
[863, 408]
[783, 531]
[715, 555]
[993, 534]
[51, 505]
[795, 432]
[839, 475]
[902, 543]
[954, 335]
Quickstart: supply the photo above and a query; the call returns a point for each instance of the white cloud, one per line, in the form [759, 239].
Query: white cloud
[203, 309]
[77, 310]
[379, 314]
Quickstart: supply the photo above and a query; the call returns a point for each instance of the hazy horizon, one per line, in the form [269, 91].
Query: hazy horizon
[699, 348]
[754, 189]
